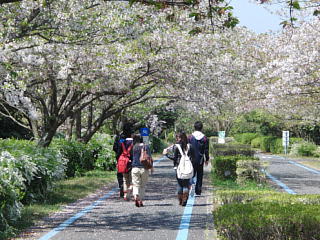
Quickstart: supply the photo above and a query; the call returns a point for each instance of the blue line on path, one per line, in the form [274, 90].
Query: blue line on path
[185, 220]
[78, 215]
[281, 184]
[307, 168]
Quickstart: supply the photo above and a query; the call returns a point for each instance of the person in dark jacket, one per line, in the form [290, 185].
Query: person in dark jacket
[118, 138]
[200, 144]
[124, 180]
[183, 184]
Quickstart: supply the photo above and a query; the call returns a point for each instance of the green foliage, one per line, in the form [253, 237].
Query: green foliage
[259, 122]
[276, 146]
[157, 144]
[224, 167]
[268, 220]
[171, 137]
[26, 175]
[303, 149]
[230, 149]
[81, 157]
[245, 138]
[256, 142]
[50, 166]
[267, 142]
[249, 170]
[105, 159]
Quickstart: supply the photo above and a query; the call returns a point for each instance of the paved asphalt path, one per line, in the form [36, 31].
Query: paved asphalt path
[290, 176]
[159, 219]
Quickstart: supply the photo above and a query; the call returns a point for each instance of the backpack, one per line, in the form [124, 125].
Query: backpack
[199, 146]
[185, 168]
[124, 159]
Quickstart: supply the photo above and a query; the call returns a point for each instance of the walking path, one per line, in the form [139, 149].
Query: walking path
[105, 216]
[290, 176]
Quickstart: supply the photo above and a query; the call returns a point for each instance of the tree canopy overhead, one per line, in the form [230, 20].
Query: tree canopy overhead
[79, 63]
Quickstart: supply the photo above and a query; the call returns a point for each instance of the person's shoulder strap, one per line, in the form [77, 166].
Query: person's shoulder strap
[180, 149]
[130, 147]
[123, 147]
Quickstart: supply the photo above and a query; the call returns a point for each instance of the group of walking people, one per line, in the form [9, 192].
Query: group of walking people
[194, 148]
[134, 180]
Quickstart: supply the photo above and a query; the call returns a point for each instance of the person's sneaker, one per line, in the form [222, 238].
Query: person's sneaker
[137, 203]
[140, 204]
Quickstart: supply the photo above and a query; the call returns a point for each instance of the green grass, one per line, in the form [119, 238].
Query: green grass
[65, 191]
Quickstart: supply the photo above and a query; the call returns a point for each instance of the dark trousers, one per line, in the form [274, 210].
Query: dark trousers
[198, 172]
[183, 185]
[120, 180]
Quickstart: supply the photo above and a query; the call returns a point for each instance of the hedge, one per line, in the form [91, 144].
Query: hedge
[230, 149]
[224, 167]
[268, 221]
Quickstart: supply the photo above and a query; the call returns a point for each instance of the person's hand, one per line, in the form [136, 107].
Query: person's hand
[206, 163]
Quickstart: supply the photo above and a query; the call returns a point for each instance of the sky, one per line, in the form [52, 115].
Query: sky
[255, 17]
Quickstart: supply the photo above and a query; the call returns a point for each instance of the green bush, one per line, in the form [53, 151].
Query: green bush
[81, 157]
[157, 145]
[303, 149]
[224, 167]
[256, 142]
[276, 146]
[250, 170]
[230, 149]
[171, 137]
[268, 221]
[26, 174]
[267, 142]
[50, 166]
[105, 158]
[245, 138]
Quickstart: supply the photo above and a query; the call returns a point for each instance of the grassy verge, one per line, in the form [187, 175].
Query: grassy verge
[65, 191]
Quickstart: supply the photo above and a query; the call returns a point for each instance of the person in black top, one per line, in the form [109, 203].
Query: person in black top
[200, 144]
[183, 184]
[115, 148]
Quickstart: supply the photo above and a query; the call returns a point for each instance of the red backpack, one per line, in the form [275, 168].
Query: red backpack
[124, 159]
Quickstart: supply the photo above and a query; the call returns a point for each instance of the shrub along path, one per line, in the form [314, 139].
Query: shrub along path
[114, 218]
[291, 175]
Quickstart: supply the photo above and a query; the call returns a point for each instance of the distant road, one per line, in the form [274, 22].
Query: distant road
[112, 218]
[290, 176]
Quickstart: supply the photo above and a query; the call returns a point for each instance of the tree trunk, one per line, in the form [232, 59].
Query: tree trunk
[70, 122]
[78, 124]
[47, 137]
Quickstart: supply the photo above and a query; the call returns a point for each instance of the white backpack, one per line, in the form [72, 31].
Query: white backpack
[185, 168]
